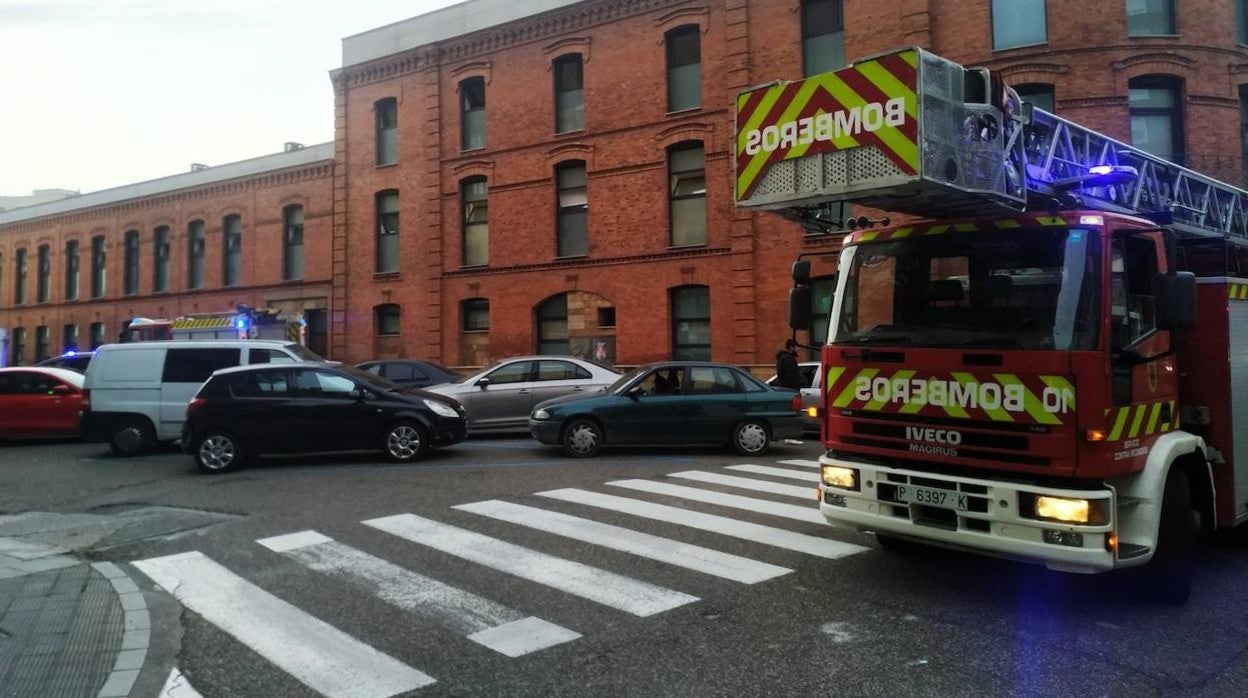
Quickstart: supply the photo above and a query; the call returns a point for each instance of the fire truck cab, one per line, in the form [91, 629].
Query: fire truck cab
[1040, 361]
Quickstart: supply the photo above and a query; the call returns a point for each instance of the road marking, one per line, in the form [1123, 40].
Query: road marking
[762, 506]
[776, 472]
[747, 483]
[484, 621]
[757, 533]
[617, 591]
[316, 653]
[800, 461]
[672, 552]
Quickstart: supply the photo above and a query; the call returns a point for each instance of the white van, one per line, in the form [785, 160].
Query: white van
[136, 394]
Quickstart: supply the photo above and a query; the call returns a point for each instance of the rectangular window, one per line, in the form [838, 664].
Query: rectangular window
[232, 249]
[261, 384]
[19, 346]
[606, 317]
[41, 343]
[1, 278]
[1018, 23]
[43, 282]
[1038, 94]
[195, 255]
[691, 323]
[97, 335]
[387, 111]
[687, 195]
[569, 94]
[71, 270]
[19, 276]
[472, 113]
[476, 313]
[130, 285]
[292, 249]
[388, 320]
[196, 365]
[97, 266]
[1156, 116]
[1243, 131]
[823, 36]
[1241, 21]
[69, 338]
[1150, 18]
[473, 196]
[573, 211]
[684, 69]
[160, 259]
[387, 232]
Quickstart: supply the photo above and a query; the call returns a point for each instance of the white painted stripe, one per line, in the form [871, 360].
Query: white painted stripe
[672, 552]
[177, 686]
[757, 533]
[762, 506]
[316, 653]
[800, 461]
[748, 483]
[458, 610]
[776, 472]
[617, 591]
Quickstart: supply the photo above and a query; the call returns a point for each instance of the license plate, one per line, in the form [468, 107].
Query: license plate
[932, 497]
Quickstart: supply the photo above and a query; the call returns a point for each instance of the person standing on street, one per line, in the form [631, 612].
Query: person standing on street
[788, 375]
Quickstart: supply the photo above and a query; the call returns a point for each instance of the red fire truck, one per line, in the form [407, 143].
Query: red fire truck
[1041, 360]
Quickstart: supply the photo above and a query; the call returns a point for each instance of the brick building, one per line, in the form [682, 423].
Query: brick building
[554, 175]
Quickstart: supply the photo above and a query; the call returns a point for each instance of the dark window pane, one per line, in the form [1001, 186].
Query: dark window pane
[472, 113]
[160, 259]
[606, 317]
[476, 314]
[1150, 17]
[473, 195]
[322, 384]
[569, 96]
[388, 319]
[707, 380]
[232, 266]
[292, 255]
[1039, 94]
[387, 111]
[552, 326]
[131, 285]
[387, 232]
[691, 323]
[556, 371]
[43, 285]
[684, 69]
[195, 255]
[41, 343]
[196, 365]
[517, 372]
[275, 384]
[97, 266]
[97, 335]
[1018, 23]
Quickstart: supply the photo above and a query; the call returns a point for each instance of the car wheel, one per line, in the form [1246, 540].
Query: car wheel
[751, 438]
[406, 442]
[582, 438]
[132, 438]
[218, 452]
[1167, 578]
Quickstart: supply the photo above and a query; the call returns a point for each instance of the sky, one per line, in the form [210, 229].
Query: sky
[100, 93]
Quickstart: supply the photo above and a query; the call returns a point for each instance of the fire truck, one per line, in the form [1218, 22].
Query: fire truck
[1045, 356]
[244, 322]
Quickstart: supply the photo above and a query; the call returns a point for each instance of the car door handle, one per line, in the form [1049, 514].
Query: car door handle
[577, 389]
[523, 391]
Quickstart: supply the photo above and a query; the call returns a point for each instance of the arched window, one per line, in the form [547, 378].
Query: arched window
[131, 281]
[71, 270]
[43, 281]
[1157, 115]
[572, 210]
[686, 168]
[292, 248]
[19, 278]
[387, 258]
[552, 326]
[691, 323]
[195, 254]
[387, 319]
[232, 248]
[472, 113]
[160, 259]
[386, 112]
[684, 68]
[97, 266]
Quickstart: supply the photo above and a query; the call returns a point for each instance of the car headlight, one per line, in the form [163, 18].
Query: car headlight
[440, 408]
[541, 414]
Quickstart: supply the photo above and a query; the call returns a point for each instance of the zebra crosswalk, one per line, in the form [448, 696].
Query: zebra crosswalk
[301, 643]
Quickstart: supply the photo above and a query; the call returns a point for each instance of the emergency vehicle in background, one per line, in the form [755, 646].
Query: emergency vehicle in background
[1051, 363]
[243, 323]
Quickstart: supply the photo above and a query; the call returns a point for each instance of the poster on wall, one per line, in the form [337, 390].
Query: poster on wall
[599, 349]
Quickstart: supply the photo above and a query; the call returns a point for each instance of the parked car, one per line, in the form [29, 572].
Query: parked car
[673, 403]
[72, 360]
[39, 402]
[500, 397]
[811, 375]
[249, 411]
[137, 393]
[411, 374]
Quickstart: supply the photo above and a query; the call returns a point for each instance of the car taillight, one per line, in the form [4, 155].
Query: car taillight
[194, 404]
[796, 404]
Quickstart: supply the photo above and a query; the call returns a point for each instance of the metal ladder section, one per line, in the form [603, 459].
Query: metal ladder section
[1057, 149]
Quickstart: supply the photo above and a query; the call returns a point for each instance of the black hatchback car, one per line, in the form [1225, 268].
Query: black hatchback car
[267, 409]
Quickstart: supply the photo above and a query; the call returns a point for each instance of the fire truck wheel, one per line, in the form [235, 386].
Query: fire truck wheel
[1168, 576]
[406, 442]
[132, 438]
[219, 452]
[751, 438]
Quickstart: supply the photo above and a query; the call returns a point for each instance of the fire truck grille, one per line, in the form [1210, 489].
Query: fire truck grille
[958, 451]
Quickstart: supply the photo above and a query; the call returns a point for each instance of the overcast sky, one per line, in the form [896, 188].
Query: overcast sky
[99, 93]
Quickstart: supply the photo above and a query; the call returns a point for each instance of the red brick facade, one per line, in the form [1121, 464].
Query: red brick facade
[631, 267]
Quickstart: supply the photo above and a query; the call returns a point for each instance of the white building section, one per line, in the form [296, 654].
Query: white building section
[672, 552]
[316, 653]
[761, 506]
[617, 591]
[483, 621]
[723, 525]
[747, 483]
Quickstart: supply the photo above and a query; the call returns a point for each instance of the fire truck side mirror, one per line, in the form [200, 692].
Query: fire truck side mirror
[801, 272]
[1176, 300]
[799, 308]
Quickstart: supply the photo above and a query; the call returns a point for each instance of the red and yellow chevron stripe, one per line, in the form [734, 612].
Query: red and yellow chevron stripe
[836, 100]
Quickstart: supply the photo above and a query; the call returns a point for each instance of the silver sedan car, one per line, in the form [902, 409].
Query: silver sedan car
[811, 373]
[500, 396]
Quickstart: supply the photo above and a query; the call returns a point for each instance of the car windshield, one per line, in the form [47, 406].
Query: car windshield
[303, 352]
[1023, 289]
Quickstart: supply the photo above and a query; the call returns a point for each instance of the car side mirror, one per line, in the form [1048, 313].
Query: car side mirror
[1176, 300]
[62, 389]
[359, 393]
[483, 383]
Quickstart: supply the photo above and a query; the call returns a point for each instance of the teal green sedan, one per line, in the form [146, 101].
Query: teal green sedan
[675, 403]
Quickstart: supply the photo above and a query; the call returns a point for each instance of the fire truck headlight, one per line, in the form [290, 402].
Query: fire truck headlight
[1062, 509]
[839, 476]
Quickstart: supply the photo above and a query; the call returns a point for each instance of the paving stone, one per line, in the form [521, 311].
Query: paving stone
[135, 639]
[119, 684]
[108, 569]
[132, 602]
[130, 659]
[124, 585]
[138, 620]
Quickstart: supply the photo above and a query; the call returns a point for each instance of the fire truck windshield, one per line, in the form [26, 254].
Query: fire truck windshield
[1021, 289]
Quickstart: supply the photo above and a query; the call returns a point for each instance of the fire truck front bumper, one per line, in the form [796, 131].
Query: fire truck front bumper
[1070, 530]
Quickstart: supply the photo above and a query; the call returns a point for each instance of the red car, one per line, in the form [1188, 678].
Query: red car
[39, 402]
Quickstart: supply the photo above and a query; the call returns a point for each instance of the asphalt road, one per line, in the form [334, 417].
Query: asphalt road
[839, 618]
